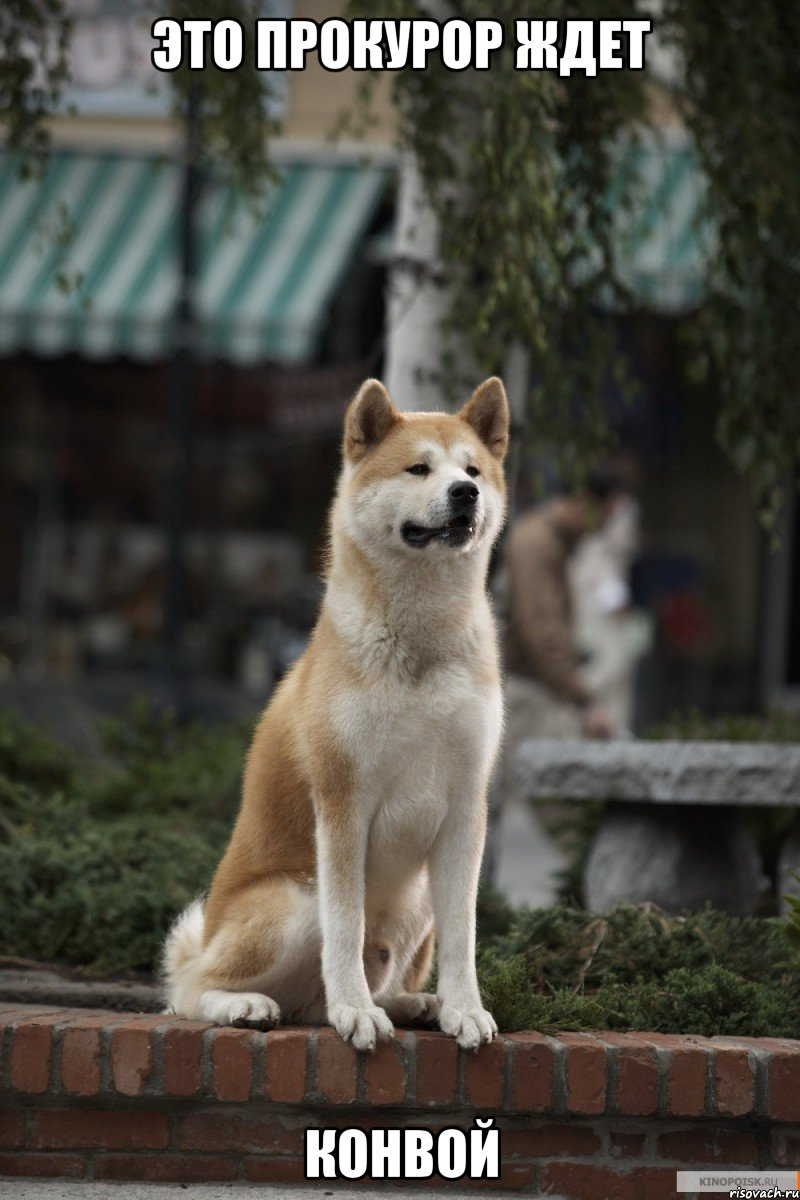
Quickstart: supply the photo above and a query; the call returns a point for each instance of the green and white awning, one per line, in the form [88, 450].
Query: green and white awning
[663, 245]
[88, 257]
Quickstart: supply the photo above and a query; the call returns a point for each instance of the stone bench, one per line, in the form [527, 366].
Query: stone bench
[672, 832]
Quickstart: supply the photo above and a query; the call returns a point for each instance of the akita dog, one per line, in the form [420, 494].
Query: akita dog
[363, 814]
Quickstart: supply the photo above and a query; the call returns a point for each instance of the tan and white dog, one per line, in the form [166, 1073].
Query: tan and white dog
[364, 801]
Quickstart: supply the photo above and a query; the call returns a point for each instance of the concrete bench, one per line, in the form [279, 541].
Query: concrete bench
[672, 832]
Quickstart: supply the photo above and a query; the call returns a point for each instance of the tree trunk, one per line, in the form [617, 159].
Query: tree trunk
[417, 300]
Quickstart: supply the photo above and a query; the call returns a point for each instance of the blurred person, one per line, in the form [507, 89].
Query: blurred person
[611, 634]
[547, 695]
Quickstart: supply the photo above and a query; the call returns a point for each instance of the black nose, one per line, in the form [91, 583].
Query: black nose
[462, 495]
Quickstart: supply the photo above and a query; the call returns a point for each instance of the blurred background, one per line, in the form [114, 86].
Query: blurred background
[198, 269]
[174, 364]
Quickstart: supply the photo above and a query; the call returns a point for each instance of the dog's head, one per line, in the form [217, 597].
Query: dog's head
[424, 484]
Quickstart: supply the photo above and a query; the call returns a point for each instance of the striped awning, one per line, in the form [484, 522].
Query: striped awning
[89, 257]
[663, 246]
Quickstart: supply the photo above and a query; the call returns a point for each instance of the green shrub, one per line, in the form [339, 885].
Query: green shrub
[160, 765]
[100, 894]
[96, 860]
[30, 756]
[637, 968]
[95, 863]
[692, 725]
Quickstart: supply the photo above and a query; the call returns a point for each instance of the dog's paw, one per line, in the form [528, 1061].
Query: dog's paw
[413, 1006]
[364, 1027]
[469, 1026]
[250, 1009]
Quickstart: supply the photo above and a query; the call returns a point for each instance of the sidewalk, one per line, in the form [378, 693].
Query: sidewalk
[25, 1189]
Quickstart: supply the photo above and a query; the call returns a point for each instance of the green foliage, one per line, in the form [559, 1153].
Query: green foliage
[163, 766]
[99, 894]
[30, 755]
[519, 167]
[742, 105]
[95, 862]
[692, 725]
[234, 106]
[637, 968]
[34, 36]
[792, 923]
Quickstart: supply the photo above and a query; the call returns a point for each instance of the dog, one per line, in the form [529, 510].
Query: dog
[363, 812]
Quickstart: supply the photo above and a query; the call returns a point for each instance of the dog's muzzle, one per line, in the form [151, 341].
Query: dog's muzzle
[461, 525]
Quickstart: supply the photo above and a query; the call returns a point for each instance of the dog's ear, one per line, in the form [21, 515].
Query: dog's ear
[487, 412]
[369, 418]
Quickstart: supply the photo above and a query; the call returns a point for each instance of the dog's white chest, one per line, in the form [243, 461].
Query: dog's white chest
[415, 751]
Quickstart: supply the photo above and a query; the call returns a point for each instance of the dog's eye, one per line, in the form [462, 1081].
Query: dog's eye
[472, 471]
[419, 469]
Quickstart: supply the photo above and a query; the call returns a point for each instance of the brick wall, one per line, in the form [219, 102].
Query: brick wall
[102, 1095]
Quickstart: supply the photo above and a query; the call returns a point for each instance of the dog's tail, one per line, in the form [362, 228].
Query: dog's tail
[180, 959]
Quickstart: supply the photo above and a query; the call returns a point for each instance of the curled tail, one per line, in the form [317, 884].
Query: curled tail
[181, 955]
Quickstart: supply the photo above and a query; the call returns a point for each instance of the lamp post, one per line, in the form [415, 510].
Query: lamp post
[180, 404]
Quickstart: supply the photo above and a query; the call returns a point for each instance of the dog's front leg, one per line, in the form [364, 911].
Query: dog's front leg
[454, 866]
[341, 857]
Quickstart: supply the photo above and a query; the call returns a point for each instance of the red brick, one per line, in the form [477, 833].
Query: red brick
[582, 1181]
[484, 1075]
[514, 1177]
[337, 1067]
[532, 1059]
[182, 1048]
[734, 1083]
[437, 1062]
[785, 1148]
[709, 1146]
[784, 1085]
[626, 1145]
[31, 1054]
[216, 1131]
[385, 1073]
[274, 1170]
[585, 1075]
[131, 1059]
[11, 1013]
[285, 1072]
[166, 1168]
[80, 1061]
[73, 1129]
[12, 1128]
[751, 1043]
[658, 1183]
[42, 1166]
[232, 1063]
[687, 1071]
[637, 1074]
[550, 1141]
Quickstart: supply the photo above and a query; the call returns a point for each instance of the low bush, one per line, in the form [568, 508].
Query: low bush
[96, 859]
[638, 968]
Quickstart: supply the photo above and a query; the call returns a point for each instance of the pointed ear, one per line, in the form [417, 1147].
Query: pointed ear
[487, 412]
[368, 419]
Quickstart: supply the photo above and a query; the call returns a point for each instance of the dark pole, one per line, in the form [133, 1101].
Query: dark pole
[182, 380]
